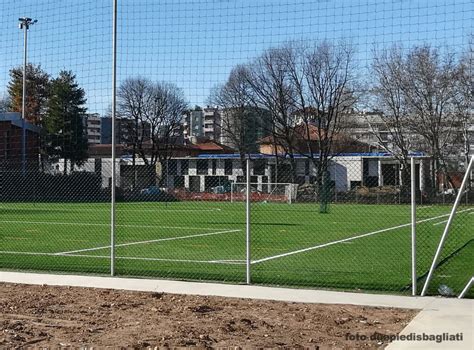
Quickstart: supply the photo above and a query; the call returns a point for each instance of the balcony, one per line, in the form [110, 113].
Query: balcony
[93, 131]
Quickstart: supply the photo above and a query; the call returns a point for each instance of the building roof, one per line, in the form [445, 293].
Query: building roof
[212, 146]
[305, 139]
[301, 132]
[15, 119]
[300, 156]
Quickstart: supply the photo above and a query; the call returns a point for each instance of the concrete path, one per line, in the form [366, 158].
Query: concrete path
[451, 316]
[437, 315]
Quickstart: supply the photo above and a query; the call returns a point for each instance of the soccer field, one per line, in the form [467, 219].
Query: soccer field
[355, 246]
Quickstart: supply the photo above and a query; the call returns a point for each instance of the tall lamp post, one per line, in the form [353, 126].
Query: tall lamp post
[24, 23]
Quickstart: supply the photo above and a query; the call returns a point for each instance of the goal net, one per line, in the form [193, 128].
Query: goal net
[264, 192]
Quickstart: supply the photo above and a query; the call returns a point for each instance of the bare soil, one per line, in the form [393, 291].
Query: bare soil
[46, 316]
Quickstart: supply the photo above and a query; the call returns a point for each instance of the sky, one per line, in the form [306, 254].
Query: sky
[195, 44]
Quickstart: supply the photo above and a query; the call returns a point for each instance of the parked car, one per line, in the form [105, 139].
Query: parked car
[151, 190]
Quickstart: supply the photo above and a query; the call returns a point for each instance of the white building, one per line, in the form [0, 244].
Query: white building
[204, 172]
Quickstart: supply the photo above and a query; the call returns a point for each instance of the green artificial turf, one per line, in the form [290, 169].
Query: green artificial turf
[291, 244]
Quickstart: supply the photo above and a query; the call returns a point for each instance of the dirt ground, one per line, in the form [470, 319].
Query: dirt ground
[45, 316]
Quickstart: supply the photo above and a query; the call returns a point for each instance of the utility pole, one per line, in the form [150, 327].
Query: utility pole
[24, 23]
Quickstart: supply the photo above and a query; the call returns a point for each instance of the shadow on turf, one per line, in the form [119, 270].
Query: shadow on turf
[421, 279]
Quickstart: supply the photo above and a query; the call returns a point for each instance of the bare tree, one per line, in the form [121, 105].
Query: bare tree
[132, 99]
[4, 104]
[430, 89]
[308, 92]
[272, 90]
[156, 110]
[464, 101]
[164, 110]
[327, 90]
[242, 123]
[388, 70]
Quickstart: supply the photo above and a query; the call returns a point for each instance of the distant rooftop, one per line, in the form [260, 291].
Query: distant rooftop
[15, 119]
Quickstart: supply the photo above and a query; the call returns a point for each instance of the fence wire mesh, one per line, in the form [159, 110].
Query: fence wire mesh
[329, 100]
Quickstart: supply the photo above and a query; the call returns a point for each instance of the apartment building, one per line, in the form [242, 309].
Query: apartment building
[202, 123]
[124, 130]
[92, 126]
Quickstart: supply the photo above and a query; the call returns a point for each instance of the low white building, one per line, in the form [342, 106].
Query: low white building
[204, 172]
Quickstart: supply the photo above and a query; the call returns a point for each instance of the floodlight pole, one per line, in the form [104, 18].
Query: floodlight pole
[114, 101]
[24, 23]
[448, 225]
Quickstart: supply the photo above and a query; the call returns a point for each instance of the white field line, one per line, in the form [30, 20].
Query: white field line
[169, 210]
[118, 209]
[148, 241]
[441, 222]
[106, 225]
[348, 239]
[424, 207]
[230, 262]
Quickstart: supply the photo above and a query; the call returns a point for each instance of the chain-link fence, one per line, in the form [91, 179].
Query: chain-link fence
[264, 143]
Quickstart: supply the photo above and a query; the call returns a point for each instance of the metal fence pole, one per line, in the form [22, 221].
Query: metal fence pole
[466, 288]
[113, 180]
[446, 229]
[413, 227]
[247, 222]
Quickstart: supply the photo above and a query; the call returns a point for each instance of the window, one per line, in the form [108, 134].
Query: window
[214, 166]
[259, 167]
[184, 167]
[228, 167]
[202, 167]
[172, 167]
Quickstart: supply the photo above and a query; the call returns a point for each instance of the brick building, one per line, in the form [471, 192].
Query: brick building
[11, 140]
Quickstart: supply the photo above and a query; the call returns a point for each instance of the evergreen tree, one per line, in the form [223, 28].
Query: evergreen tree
[37, 84]
[64, 121]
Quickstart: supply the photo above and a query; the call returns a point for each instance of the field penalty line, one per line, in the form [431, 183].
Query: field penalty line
[147, 241]
[319, 246]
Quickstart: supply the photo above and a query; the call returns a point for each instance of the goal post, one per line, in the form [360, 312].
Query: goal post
[264, 192]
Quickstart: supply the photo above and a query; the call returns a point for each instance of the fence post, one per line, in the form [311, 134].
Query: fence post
[413, 228]
[113, 180]
[448, 225]
[466, 288]
[247, 222]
